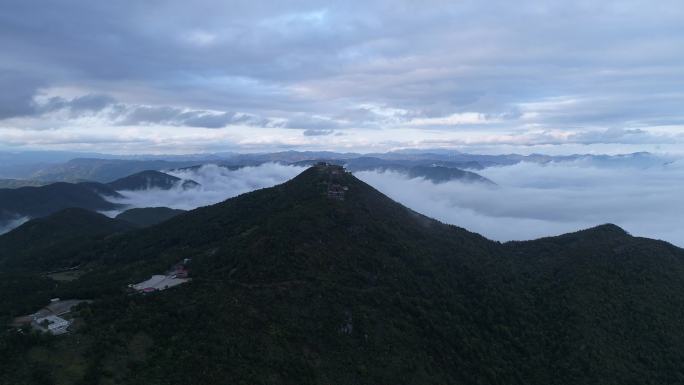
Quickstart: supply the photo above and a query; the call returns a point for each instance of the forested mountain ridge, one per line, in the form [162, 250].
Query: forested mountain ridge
[40, 201]
[150, 179]
[47, 242]
[148, 216]
[325, 280]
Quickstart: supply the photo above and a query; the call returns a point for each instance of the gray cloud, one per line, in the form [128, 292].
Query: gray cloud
[126, 114]
[90, 102]
[78, 106]
[532, 65]
[302, 121]
[315, 132]
[133, 115]
[17, 91]
[619, 135]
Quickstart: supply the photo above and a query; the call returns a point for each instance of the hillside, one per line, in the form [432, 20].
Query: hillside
[17, 204]
[325, 280]
[383, 161]
[48, 242]
[16, 183]
[107, 168]
[150, 179]
[148, 216]
[440, 174]
[40, 201]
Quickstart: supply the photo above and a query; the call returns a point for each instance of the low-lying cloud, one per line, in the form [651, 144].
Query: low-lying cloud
[534, 200]
[530, 200]
[7, 226]
[216, 184]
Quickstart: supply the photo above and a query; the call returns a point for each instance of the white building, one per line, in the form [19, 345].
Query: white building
[159, 282]
[52, 324]
[49, 319]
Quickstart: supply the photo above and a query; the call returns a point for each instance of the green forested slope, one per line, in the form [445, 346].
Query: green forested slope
[40, 201]
[292, 287]
[148, 216]
[49, 242]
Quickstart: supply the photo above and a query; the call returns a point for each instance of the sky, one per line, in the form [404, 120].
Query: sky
[167, 77]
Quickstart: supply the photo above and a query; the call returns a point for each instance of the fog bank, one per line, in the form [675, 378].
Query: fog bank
[216, 184]
[530, 200]
[534, 200]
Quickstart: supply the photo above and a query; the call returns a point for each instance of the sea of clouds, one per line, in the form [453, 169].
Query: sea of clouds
[530, 200]
[216, 184]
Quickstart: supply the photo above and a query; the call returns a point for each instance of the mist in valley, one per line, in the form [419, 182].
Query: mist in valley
[530, 200]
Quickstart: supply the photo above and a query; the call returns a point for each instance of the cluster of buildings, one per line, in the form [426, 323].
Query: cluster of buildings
[177, 275]
[54, 318]
[335, 190]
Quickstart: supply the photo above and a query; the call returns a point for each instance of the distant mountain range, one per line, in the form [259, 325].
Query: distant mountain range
[34, 202]
[16, 183]
[150, 179]
[40, 201]
[102, 170]
[107, 168]
[323, 279]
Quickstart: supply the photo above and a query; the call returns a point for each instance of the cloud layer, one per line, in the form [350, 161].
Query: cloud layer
[530, 200]
[176, 76]
[216, 184]
[534, 200]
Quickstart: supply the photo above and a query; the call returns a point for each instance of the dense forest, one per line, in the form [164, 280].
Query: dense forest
[297, 285]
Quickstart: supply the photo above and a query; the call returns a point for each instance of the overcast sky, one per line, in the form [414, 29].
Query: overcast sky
[481, 76]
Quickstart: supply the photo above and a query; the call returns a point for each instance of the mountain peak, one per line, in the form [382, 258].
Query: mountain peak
[609, 228]
[41, 201]
[323, 220]
[324, 179]
[150, 179]
[604, 231]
